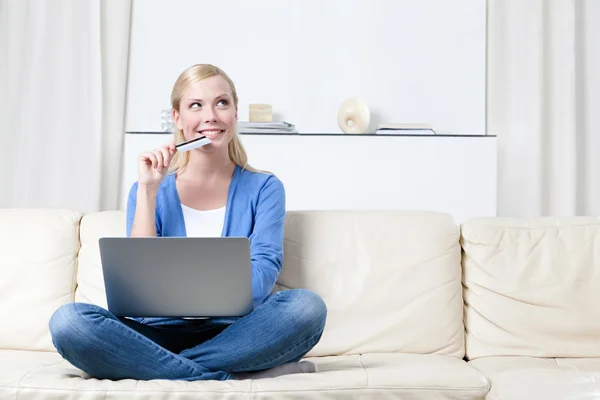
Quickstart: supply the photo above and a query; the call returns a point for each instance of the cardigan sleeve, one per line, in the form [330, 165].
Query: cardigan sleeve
[266, 239]
[131, 203]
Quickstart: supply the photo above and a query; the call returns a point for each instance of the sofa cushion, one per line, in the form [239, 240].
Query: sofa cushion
[90, 280]
[532, 287]
[391, 280]
[38, 250]
[527, 378]
[29, 375]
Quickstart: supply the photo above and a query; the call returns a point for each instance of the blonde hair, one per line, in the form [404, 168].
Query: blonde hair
[194, 74]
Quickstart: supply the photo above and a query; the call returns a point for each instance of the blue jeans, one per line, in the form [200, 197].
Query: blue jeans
[285, 327]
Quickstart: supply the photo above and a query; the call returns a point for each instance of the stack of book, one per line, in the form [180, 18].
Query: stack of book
[405, 129]
[265, 127]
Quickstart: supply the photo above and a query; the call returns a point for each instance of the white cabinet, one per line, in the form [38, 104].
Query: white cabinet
[453, 174]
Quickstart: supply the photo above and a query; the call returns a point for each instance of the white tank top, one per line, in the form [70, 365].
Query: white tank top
[200, 223]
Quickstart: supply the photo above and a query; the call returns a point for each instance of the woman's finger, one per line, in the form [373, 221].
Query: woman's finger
[159, 160]
[152, 158]
[166, 156]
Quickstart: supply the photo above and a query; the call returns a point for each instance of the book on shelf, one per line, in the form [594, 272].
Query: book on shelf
[403, 125]
[266, 127]
[405, 132]
[405, 129]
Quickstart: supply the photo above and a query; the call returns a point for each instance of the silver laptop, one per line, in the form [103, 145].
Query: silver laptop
[177, 276]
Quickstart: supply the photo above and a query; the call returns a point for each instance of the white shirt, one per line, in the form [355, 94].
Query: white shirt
[203, 223]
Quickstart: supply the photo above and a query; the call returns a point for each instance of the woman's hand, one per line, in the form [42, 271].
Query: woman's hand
[153, 165]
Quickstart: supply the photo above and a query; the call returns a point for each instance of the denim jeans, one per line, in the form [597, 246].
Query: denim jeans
[285, 327]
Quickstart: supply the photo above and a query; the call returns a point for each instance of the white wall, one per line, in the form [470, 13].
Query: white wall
[412, 61]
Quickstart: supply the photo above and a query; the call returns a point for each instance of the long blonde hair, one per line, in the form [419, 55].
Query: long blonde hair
[194, 74]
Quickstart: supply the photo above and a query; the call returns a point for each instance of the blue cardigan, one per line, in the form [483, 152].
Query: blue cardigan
[255, 209]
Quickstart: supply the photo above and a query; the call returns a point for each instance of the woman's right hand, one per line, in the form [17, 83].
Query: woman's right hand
[154, 165]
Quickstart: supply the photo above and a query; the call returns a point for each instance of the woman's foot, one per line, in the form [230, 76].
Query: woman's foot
[302, 367]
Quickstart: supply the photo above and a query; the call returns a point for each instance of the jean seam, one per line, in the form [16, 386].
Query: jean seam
[279, 355]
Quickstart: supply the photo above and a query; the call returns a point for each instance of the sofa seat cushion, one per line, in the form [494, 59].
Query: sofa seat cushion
[520, 378]
[34, 375]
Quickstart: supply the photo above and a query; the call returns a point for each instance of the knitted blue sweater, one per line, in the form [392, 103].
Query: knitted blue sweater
[255, 209]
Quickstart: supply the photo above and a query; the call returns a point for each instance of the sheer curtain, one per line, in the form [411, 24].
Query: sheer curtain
[544, 105]
[63, 70]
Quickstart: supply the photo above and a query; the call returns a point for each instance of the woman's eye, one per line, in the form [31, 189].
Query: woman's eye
[223, 102]
[195, 104]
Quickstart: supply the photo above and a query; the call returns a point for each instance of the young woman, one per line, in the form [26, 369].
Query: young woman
[208, 191]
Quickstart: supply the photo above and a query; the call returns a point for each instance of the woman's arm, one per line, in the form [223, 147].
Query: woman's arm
[141, 205]
[141, 211]
[144, 221]
[266, 239]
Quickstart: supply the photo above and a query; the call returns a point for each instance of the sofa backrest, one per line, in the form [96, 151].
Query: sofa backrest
[532, 287]
[391, 280]
[90, 280]
[38, 251]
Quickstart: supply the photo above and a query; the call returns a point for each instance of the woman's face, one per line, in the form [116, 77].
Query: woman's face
[207, 109]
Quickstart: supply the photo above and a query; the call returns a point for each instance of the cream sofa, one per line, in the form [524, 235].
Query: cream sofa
[398, 286]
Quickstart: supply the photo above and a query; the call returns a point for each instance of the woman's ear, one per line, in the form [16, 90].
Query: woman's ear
[176, 119]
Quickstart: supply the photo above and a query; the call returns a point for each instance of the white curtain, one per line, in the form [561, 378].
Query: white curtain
[63, 70]
[544, 105]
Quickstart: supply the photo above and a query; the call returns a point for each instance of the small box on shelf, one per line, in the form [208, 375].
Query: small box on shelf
[261, 113]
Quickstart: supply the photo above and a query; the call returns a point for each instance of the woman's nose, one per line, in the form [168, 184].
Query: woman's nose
[209, 115]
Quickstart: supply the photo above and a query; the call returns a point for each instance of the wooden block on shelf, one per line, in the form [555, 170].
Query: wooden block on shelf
[261, 113]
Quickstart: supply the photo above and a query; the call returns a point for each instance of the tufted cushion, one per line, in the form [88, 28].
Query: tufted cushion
[391, 280]
[38, 250]
[532, 287]
[90, 280]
